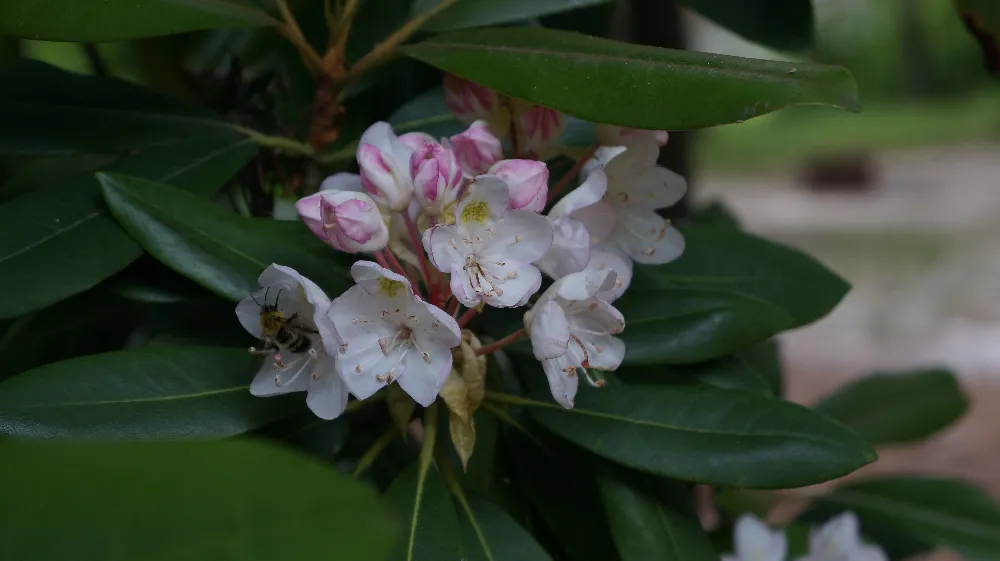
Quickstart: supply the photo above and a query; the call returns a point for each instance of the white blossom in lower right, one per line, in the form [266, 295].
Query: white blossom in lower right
[572, 329]
[754, 541]
[839, 540]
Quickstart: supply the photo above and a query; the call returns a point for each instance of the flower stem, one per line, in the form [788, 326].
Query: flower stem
[497, 345]
[381, 260]
[467, 316]
[573, 172]
[453, 309]
[418, 248]
[375, 449]
[287, 144]
[293, 33]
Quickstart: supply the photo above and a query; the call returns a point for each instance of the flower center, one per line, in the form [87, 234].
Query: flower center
[483, 281]
[475, 211]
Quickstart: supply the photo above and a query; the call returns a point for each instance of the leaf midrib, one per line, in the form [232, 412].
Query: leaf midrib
[130, 401]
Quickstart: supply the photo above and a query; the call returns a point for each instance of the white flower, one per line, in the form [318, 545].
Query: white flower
[612, 135]
[571, 237]
[489, 251]
[604, 258]
[838, 540]
[385, 166]
[288, 315]
[389, 334]
[572, 329]
[754, 541]
[636, 188]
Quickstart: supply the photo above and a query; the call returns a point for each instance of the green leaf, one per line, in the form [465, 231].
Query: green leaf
[731, 372]
[765, 359]
[490, 534]
[705, 435]
[48, 111]
[67, 227]
[109, 20]
[645, 527]
[198, 501]
[476, 13]
[190, 392]
[897, 407]
[431, 531]
[427, 113]
[632, 85]
[724, 258]
[785, 25]
[220, 250]
[982, 19]
[685, 325]
[942, 512]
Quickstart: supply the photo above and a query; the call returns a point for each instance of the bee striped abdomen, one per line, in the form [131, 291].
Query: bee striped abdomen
[292, 340]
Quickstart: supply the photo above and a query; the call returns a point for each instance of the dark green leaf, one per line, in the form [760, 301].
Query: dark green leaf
[942, 512]
[715, 213]
[480, 474]
[306, 432]
[108, 20]
[725, 258]
[706, 435]
[375, 21]
[595, 19]
[426, 113]
[476, 13]
[430, 524]
[765, 359]
[191, 392]
[490, 534]
[646, 527]
[223, 251]
[785, 25]
[682, 325]
[731, 372]
[67, 228]
[47, 111]
[199, 501]
[632, 85]
[897, 407]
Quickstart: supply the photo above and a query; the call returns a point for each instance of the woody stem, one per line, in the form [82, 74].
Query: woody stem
[497, 345]
[573, 172]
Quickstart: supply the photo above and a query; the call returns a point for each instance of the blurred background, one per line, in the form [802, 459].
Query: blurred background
[902, 199]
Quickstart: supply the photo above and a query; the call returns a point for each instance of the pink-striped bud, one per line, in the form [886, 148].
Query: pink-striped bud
[437, 177]
[538, 127]
[384, 161]
[346, 220]
[612, 135]
[477, 149]
[527, 181]
[469, 101]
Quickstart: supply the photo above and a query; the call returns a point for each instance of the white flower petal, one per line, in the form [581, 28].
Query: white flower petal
[590, 192]
[439, 327]
[570, 249]
[584, 285]
[655, 187]
[549, 331]
[522, 235]
[489, 197]
[604, 352]
[563, 380]
[425, 374]
[327, 391]
[365, 368]
[248, 312]
[647, 238]
[445, 247]
[295, 378]
[376, 279]
[343, 182]
[600, 220]
[516, 281]
[754, 541]
[357, 317]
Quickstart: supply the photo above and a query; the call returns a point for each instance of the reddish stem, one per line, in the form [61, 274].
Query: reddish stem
[467, 316]
[398, 268]
[453, 309]
[497, 345]
[418, 248]
[573, 172]
[381, 260]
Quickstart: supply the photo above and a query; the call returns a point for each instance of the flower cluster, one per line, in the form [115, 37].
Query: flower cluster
[456, 224]
[836, 540]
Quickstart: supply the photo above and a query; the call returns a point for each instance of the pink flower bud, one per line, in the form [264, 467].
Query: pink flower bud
[384, 161]
[477, 149]
[346, 220]
[437, 176]
[468, 100]
[612, 135]
[538, 127]
[414, 140]
[527, 180]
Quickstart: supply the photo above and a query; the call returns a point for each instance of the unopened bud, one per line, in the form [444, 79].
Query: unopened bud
[538, 127]
[527, 180]
[346, 220]
[384, 161]
[437, 176]
[477, 149]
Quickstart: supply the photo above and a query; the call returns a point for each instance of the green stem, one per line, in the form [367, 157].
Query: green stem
[375, 449]
[280, 142]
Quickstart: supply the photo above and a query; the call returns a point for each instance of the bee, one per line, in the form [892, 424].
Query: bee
[280, 333]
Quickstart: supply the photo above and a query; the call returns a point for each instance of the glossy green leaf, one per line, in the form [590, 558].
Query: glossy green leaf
[765, 359]
[942, 512]
[632, 85]
[67, 227]
[982, 19]
[724, 258]
[683, 325]
[476, 13]
[221, 250]
[430, 524]
[109, 20]
[898, 407]
[190, 392]
[646, 527]
[730, 372]
[785, 25]
[706, 435]
[490, 534]
[427, 113]
[48, 111]
[199, 501]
